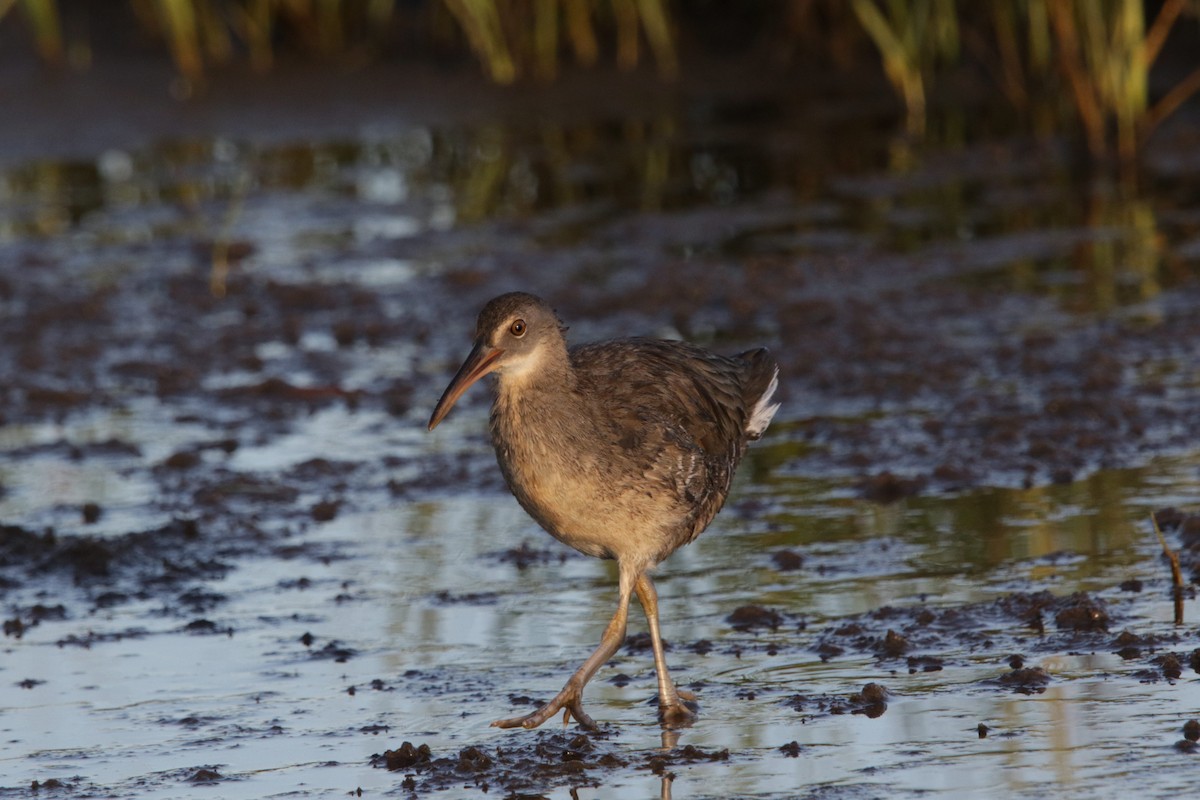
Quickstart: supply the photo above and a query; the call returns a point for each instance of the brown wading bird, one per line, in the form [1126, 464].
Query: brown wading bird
[622, 449]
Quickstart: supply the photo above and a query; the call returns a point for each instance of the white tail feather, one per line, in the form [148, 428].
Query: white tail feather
[764, 411]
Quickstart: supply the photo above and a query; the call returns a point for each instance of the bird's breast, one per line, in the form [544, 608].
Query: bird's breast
[558, 471]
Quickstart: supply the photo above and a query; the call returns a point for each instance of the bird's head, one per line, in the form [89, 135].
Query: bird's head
[513, 335]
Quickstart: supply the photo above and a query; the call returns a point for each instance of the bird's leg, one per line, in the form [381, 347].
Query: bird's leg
[673, 711]
[569, 700]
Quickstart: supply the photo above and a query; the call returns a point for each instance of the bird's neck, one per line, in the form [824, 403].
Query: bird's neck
[546, 369]
[541, 391]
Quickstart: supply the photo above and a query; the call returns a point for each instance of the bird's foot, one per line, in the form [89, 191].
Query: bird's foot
[679, 713]
[568, 701]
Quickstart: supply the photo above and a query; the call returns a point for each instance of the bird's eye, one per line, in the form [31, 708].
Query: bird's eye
[517, 328]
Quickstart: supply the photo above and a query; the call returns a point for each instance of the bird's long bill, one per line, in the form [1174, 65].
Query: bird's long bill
[480, 362]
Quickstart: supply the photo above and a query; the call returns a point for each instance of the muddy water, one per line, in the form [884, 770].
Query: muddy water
[233, 556]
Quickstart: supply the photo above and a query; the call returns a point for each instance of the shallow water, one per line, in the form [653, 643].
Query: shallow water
[944, 315]
[148, 709]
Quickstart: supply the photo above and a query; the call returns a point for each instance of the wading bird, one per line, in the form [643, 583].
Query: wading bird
[622, 449]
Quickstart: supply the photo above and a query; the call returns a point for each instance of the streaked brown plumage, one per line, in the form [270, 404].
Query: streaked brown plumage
[622, 449]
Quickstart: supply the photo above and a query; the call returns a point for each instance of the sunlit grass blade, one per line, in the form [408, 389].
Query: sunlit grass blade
[625, 15]
[655, 20]
[481, 23]
[580, 31]
[899, 61]
[179, 20]
[545, 35]
[1067, 48]
[214, 32]
[254, 23]
[47, 29]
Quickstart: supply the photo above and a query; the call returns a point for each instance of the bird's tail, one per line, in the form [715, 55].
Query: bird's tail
[762, 379]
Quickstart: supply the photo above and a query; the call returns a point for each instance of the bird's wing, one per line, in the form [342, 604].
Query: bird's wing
[677, 416]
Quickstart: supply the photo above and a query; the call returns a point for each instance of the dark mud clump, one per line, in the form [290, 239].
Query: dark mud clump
[888, 488]
[157, 558]
[1077, 612]
[205, 776]
[752, 617]
[792, 749]
[30, 616]
[925, 664]
[871, 702]
[893, 645]
[1025, 680]
[1169, 666]
[51, 785]
[525, 556]
[406, 755]
[643, 642]
[535, 761]
[1032, 622]
[91, 513]
[334, 651]
[688, 754]
[325, 510]
[1190, 743]
[1082, 613]
[445, 598]
[787, 560]
[1130, 646]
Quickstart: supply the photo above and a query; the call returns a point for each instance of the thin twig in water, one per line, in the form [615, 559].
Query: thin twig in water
[1176, 572]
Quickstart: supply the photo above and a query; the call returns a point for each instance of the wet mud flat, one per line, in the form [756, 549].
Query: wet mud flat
[231, 556]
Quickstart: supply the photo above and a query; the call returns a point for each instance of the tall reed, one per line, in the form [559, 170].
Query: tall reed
[914, 38]
[1099, 53]
[1063, 63]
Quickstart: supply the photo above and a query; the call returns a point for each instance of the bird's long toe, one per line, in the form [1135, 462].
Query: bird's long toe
[569, 701]
[581, 716]
[511, 722]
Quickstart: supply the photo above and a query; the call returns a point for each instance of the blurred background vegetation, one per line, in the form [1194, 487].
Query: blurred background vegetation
[1085, 67]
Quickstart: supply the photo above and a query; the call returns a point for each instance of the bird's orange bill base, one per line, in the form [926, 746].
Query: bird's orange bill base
[480, 362]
